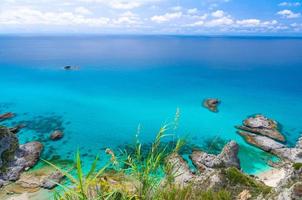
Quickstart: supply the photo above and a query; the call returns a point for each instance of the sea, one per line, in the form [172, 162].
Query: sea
[129, 86]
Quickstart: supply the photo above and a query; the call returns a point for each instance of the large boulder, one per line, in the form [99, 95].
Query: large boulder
[8, 147]
[25, 157]
[227, 158]
[262, 125]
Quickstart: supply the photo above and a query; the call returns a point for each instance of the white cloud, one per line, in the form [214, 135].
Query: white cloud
[256, 23]
[223, 21]
[289, 4]
[192, 11]
[127, 18]
[29, 16]
[82, 11]
[166, 17]
[195, 24]
[218, 13]
[122, 4]
[288, 14]
[176, 8]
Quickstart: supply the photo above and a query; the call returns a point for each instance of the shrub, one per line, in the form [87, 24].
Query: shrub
[297, 166]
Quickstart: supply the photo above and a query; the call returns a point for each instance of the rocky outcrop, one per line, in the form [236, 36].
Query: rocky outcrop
[8, 147]
[269, 145]
[262, 142]
[227, 158]
[211, 104]
[16, 129]
[6, 116]
[180, 169]
[25, 157]
[56, 135]
[262, 125]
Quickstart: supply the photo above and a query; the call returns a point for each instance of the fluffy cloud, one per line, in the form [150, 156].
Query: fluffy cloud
[121, 4]
[192, 11]
[289, 4]
[288, 14]
[166, 17]
[218, 13]
[29, 16]
[127, 18]
[82, 11]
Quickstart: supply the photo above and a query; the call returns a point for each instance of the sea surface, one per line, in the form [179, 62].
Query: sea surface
[130, 81]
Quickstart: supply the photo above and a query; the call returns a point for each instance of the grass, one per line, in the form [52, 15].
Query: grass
[141, 179]
[297, 166]
[242, 181]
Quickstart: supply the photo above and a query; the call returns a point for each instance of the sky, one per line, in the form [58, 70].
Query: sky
[188, 17]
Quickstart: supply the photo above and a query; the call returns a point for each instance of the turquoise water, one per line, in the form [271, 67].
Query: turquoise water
[125, 81]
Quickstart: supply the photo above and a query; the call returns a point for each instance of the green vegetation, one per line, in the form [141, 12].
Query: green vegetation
[297, 166]
[242, 181]
[144, 175]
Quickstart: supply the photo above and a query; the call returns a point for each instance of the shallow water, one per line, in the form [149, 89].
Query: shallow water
[125, 81]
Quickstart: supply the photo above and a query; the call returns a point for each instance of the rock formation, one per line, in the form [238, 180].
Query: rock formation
[56, 135]
[6, 116]
[16, 158]
[211, 104]
[262, 125]
[227, 157]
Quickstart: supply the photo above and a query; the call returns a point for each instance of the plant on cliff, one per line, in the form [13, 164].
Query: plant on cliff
[297, 166]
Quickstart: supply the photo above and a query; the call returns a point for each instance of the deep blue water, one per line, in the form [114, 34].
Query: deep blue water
[125, 81]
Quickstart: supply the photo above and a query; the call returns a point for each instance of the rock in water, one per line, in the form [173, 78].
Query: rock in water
[227, 158]
[56, 135]
[211, 104]
[8, 147]
[6, 116]
[26, 156]
[68, 68]
[262, 125]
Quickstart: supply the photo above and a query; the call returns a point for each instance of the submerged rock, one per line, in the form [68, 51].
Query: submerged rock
[56, 135]
[17, 128]
[6, 116]
[211, 104]
[262, 125]
[227, 158]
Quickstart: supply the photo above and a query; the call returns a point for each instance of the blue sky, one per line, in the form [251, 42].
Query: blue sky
[200, 17]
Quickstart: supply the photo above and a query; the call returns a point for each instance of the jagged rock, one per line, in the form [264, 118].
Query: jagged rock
[211, 104]
[50, 181]
[56, 135]
[299, 143]
[291, 154]
[262, 125]
[274, 147]
[262, 142]
[180, 169]
[6, 116]
[8, 146]
[25, 157]
[227, 158]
